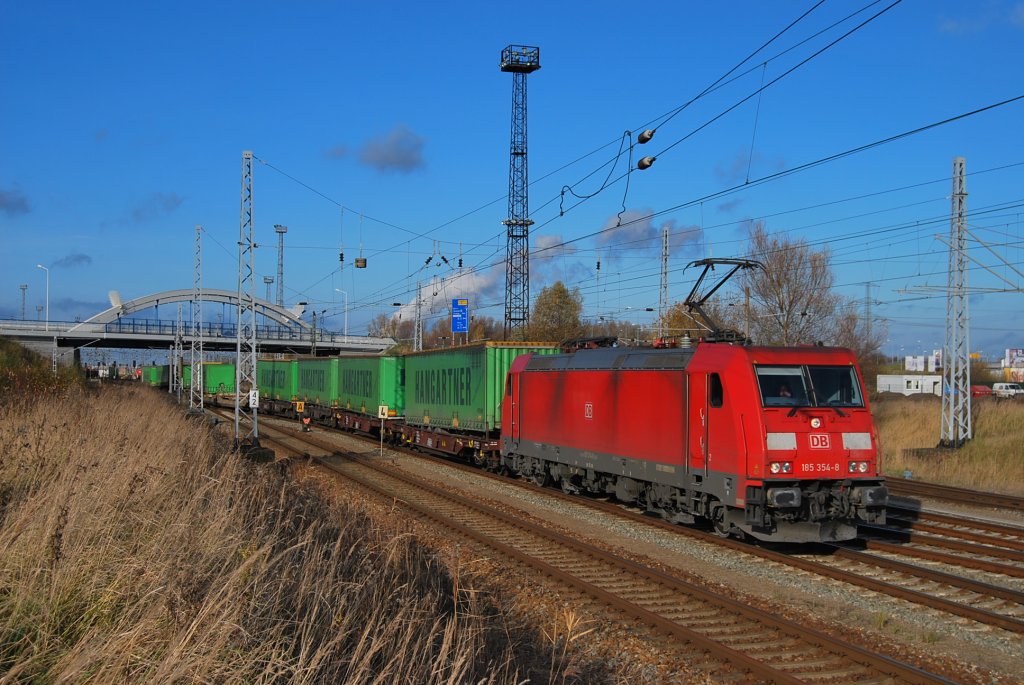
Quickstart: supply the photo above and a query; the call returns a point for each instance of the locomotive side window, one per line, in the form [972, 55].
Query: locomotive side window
[836, 386]
[782, 386]
[716, 395]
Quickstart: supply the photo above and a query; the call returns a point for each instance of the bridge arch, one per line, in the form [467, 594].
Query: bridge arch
[282, 315]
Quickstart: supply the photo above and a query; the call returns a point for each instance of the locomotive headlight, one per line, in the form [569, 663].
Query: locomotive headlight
[863, 467]
[781, 467]
[815, 422]
[775, 467]
[787, 467]
[858, 467]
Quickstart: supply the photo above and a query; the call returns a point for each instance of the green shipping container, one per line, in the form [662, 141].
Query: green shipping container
[218, 377]
[318, 381]
[156, 375]
[277, 379]
[462, 387]
[366, 383]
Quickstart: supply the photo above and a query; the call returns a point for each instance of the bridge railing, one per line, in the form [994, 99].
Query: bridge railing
[210, 329]
[216, 330]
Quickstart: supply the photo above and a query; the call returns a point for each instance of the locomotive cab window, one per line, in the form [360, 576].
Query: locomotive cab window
[782, 386]
[835, 386]
[809, 386]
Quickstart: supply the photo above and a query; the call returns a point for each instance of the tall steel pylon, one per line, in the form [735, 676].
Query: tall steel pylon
[663, 296]
[956, 362]
[280, 230]
[417, 335]
[195, 396]
[178, 367]
[520, 60]
[246, 391]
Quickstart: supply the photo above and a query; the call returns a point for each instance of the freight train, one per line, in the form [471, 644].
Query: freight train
[775, 443]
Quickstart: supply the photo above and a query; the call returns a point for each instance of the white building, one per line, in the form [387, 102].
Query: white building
[910, 384]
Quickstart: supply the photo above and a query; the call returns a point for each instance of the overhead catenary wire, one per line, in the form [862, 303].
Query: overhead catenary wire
[806, 166]
[670, 115]
[493, 253]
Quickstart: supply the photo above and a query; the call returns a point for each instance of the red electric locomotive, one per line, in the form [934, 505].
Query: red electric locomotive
[774, 442]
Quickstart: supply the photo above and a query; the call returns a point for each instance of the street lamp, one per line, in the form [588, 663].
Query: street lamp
[339, 290]
[47, 295]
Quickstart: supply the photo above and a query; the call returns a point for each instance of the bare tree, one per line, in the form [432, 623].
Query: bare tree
[380, 326]
[392, 326]
[791, 299]
[851, 330]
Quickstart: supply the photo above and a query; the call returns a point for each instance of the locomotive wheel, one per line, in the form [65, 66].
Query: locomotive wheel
[543, 479]
[718, 521]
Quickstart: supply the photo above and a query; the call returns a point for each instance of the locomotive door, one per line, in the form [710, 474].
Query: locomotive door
[697, 407]
[511, 397]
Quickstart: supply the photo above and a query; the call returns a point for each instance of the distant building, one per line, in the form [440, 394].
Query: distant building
[910, 384]
[1013, 365]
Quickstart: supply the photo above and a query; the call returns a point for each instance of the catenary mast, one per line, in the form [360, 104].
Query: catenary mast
[195, 396]
[247, 434]
[956, 362]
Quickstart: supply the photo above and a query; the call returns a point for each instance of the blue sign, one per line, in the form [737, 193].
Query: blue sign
[460, 315]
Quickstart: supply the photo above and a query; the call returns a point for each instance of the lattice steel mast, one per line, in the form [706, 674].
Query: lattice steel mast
[246, 410]
[956, 362]
[520, 60]
[195, 396]
[417, 336]
[663, 295]
[178, 368]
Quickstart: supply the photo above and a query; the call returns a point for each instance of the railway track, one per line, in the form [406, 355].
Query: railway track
[957, 543]
[988, 604]
[913, 488]
[706, 627]
[877, 568]
[824, 669]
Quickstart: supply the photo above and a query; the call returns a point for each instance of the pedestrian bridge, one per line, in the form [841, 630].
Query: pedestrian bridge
[282, 331]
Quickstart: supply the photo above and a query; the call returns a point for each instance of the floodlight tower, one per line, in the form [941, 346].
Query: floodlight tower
[23, 289]
[280, 230]
[521, 61]
[956, 362]
[269, 280]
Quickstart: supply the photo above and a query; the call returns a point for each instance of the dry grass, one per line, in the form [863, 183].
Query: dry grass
[134, 548]
[992, 461]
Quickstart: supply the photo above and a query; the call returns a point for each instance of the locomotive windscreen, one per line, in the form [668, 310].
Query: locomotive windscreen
[809, 386]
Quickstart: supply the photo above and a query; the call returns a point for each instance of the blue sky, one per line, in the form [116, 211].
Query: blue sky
[124, 123]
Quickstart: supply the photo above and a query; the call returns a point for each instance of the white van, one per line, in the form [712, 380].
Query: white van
[1007, 389]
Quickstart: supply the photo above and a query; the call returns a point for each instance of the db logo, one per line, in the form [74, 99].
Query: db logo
[819, 441]
[588, 410]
